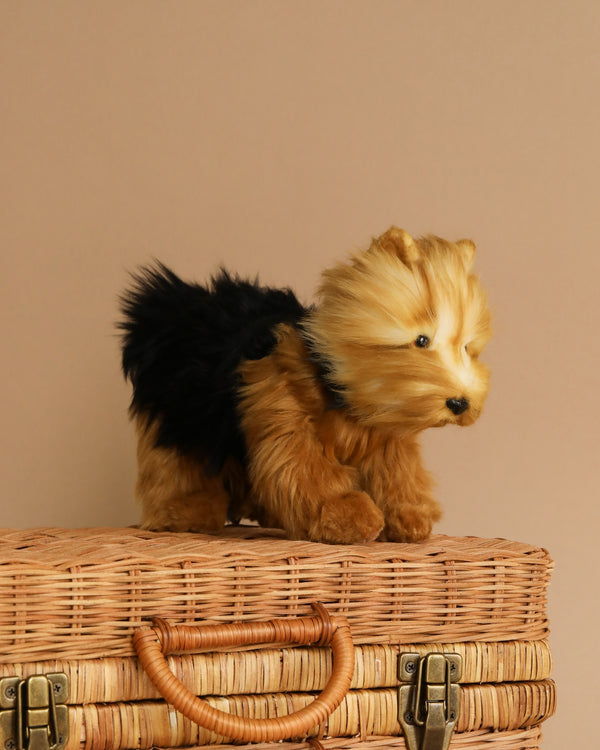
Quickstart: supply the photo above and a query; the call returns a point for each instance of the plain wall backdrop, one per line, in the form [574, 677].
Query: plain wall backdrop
[276, 137]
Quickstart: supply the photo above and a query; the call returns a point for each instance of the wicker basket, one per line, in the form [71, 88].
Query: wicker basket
[72, 600]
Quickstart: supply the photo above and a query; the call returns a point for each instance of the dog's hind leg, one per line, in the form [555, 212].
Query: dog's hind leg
[175, 493]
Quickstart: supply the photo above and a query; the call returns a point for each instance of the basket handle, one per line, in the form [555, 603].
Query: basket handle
[153, 643]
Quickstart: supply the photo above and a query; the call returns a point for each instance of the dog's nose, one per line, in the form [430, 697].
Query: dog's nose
[457, 405]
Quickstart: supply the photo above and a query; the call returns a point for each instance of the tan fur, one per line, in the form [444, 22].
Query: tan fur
[319, 473]
[352, 474]
[176, 494]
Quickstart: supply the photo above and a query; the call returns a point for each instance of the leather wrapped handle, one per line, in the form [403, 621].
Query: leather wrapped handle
[153, 643]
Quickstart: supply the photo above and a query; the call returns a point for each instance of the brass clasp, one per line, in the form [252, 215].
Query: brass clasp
[32, 712]
[429, 699]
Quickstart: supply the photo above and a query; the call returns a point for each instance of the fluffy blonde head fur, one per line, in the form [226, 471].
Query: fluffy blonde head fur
[400, 328]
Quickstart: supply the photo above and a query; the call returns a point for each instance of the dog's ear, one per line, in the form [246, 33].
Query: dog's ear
[466, 249]
[400, 243]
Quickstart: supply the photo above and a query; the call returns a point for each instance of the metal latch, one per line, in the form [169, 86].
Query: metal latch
[32, 712]
[429, 699]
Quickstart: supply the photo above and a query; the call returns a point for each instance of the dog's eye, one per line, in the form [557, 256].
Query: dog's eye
[422, 341]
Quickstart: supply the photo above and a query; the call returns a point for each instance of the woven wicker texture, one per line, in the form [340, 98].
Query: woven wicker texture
[283, 670]
[362, 713]
[81, 593]
[522, 739]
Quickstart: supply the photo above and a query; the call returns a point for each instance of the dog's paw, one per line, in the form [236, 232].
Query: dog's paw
[412, 524]
[352, 518]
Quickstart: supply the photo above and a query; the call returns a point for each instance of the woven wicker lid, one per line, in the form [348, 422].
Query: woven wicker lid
[77, 593]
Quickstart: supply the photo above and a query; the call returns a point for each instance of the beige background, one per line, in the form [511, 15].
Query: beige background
[275, 137]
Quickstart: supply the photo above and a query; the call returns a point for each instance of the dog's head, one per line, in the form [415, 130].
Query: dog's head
[400, 328]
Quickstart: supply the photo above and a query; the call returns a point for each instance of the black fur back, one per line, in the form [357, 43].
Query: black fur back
[182, 345]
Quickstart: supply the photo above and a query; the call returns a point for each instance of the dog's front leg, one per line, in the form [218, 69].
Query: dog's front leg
[297, 482]
[393, 474]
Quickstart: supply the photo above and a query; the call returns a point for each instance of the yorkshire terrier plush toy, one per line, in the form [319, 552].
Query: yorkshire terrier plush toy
[249, 405]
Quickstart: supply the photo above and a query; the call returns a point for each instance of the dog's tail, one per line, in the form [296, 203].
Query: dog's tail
[182, 344]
